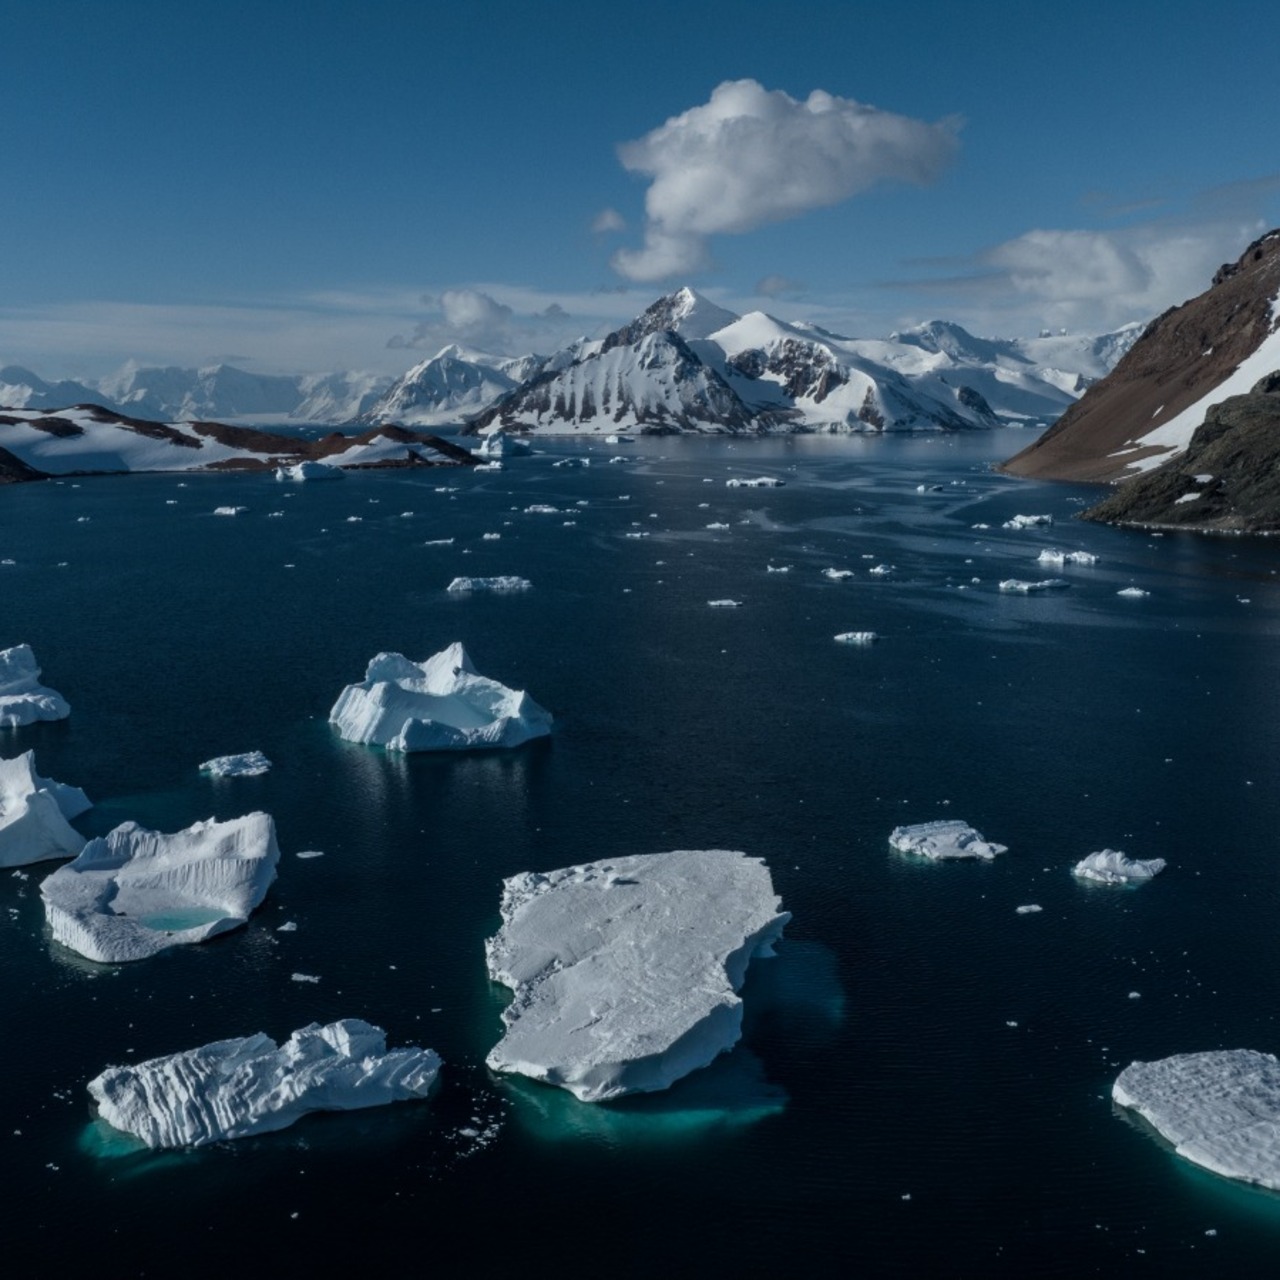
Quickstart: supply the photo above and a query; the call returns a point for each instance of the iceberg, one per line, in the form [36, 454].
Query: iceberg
[1133, 593]
[947, 838]
[626, 971]
[1220, 1110]
[308, 470]
[725, 604]
[760, 482]
[233, 1088]
[249, 764]
[135, 893]
[837, 575]
[1019, 587]
[1112, 867]
[442, 704]
[229, 511]
[461, 585]
[1061, 558]
[1026, 522]
[500, 445]
[856, 637]
[34, 813]
[881, 570]
[23, 699]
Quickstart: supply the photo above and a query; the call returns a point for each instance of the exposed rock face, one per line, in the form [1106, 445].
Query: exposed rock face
[1228, 478]
[1180, 359]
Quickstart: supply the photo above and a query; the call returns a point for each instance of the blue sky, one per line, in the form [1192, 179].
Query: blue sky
[307, 187]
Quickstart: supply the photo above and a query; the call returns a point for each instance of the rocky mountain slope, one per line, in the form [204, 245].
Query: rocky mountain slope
[1146, 412]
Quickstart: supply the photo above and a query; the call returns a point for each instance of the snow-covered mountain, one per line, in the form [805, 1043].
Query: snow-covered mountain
[22, 389]
[686, 364]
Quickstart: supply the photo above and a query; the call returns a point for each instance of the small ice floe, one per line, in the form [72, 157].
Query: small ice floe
[1027, 522]
[304, 977]
[495, 465]
[249, 764]
[23, 699]
[1061, 558]
[490, 537]
[289, 926]
[1017, 586]
[308, 470]
[502, 583]
[928, 488]
[1220, 1109]
[1030, 909]
[979, 526]
[1112, 867]
[945, 838]
[1133, 593]
[310, 853]
[541, 509]
[760, 482]
[233, 1088]
[644, 534]
[34, 813]
[717, 524]
[777, 568]
[725, 604]
[880, 570]
[837, 575]
[856, 637]
[439, 542]
[619, 458]
[355, 519]
[229, 511]
[572, 462]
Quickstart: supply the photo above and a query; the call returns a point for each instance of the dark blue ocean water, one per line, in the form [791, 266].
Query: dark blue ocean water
[916, 1037]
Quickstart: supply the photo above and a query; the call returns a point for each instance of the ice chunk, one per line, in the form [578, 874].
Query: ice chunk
[497, 444]
[1030, 909]
[136, 892]
[1062, 558]
[461, 585]
[625, 971]
[1112, 867]
[760, 482]
[1020, 587]
[946, 838]
[23, 699]
[442, 704]
[309, 471]
[881, 570]
[1133, 593]
[541, 509]
[1027, 522]
[229, 511]
[717, 524]
[34, 813]
[837, 575]
[1220, 1110]
[249, 764]
[233, 1088]
[725, 604]
[572, 462]
[856, 637]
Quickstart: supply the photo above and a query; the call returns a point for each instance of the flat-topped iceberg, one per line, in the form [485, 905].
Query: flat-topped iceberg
[309, 470]
[233, 1088]
[626, 971]
[1220, 1110]
[442, 704]
[947, 838]
[23, 699]
[34, 813]
[135, 893]
[248, 764]
[1112, 867]
[460, 586]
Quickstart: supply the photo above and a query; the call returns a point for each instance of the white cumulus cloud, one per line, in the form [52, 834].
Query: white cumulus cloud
[751, 156]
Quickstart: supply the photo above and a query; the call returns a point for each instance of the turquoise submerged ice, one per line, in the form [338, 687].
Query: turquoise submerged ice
[135, 893]
[442, 704]
[625, 972]
[1221, 1109]
[233, 1088]
[34, 813]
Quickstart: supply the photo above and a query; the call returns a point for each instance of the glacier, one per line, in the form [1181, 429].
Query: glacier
[441, 704]
[947, 838]
[1112, 867]
[234, 1088]
[134, 893]
[34, 813]
[23, 699]
[625, 972]
[1220, 1109]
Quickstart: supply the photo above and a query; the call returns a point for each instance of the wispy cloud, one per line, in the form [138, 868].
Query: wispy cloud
[749, 157]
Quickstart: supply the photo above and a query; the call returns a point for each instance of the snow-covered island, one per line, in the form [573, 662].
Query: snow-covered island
[34, 813]
[135, 893]
[23, 699]
[248, 764]
[1220, 1110]
[1110, 866]
[233, 1088]
[625, 972]
[946, 838]
[442, 704]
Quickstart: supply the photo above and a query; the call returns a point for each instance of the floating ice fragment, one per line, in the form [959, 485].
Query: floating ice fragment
[460, 586]
[310, 853]
[233, 1088]
[1061, 558]
[490, 537]
[439, 542]
[1030, 909]
[34, 813]
[248, 764]
[497, 444]
[881, 570]
[1133, 593]
[541, 509]
[760, 482]
[229, 511]
[23, 699]
[309, 470]
[625, 972]
[1018, 586]
[856, 637]
[837, 575]
[778, 568]
[572, 462]
[304, 977]
[1027, 522]
[717, 524]
[1112, 867]
[289, 926]
[725, 604]
[945, 838]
